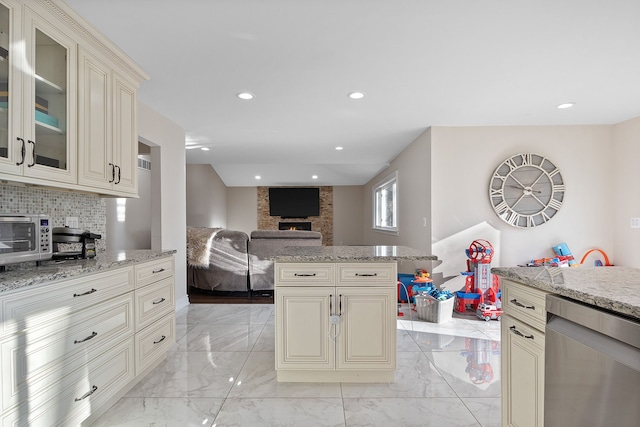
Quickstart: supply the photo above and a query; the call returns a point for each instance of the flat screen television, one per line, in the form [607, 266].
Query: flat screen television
[294, 202]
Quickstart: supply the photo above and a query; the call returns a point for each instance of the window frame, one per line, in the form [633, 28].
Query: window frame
[377, 198]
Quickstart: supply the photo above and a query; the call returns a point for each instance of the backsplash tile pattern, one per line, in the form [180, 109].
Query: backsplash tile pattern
[90, 209]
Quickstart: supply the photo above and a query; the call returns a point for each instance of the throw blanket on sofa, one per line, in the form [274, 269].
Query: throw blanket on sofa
[199, 245]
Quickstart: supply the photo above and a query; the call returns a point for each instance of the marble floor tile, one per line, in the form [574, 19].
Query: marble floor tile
[274, 412]
[221, 372]
[192, 374]
[258, 379]
[407, 412]
[169, 412]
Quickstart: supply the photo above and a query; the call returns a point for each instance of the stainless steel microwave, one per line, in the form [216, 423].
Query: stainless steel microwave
[24, 237]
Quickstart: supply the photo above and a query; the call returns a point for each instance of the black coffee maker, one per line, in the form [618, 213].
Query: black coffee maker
[78, 243]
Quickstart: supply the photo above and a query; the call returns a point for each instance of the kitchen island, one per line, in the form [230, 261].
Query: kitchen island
[556, 334]
[336, 309]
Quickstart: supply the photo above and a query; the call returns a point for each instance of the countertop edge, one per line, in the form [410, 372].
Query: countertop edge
[52, 271]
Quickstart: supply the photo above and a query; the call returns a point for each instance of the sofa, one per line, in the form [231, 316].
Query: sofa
[217, 259]
[266, 243]
[227, 261]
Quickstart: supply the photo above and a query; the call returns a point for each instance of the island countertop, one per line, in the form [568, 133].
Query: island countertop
[25, 274]
[612, 288]
[350, 254]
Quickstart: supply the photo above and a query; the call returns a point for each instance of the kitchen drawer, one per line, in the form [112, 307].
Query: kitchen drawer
[74, 394]
[153, 342]
[152, 271]
[300, 274]
[524, 303]
[43, 304]
[370, 274]
[153, 302]
[32, 356]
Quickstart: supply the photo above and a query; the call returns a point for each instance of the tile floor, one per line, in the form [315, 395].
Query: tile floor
[221, 373]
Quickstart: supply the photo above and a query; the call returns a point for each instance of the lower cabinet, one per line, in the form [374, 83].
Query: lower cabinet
[332, 328]
[70, 349]
[522, 360]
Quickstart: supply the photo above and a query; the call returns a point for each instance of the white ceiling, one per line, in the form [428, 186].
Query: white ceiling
[421, 63]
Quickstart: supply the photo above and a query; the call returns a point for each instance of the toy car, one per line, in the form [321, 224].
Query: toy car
[488, 312]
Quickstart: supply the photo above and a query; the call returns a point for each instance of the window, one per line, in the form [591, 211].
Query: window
[385, 204]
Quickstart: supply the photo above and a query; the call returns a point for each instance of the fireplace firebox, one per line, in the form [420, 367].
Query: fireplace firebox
[295, 226]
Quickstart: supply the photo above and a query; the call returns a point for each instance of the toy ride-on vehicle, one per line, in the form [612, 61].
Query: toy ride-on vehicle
[488, 312]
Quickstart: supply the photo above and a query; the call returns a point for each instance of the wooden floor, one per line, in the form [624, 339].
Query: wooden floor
[201, 297]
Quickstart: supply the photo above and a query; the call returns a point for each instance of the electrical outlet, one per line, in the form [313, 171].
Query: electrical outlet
[71, 222]
[635, 222]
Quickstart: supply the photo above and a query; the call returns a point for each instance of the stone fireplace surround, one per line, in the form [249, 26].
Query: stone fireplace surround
[322, 223]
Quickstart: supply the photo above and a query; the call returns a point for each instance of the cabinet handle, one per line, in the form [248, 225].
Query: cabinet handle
[22, 151]
[157, 271]
[113, 172]
[118, 181]
[160, 340]
[340, 305]
[30, 165]
[86, 293]
[330, 305]
[87, 394]
[519, 304]
[366, 274]
[93, 335]
[517, 332]
[304, 275]
[160, 301]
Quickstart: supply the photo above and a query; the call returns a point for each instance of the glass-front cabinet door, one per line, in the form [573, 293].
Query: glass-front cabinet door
[37, 97]
[49, 102]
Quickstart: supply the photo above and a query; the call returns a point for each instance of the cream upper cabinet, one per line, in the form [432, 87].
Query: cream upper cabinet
[107, 127]
[37, 97]
[68, 102]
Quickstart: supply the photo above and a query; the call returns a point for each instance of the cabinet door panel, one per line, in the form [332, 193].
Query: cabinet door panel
[303, 333]
[368, 323]
[522, 374]
[125, 136]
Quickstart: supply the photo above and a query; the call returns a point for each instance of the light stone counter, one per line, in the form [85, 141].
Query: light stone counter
[25, 274]
[612, 288]
[350, 254]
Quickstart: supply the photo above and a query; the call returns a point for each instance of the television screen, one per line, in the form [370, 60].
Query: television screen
[294, 202]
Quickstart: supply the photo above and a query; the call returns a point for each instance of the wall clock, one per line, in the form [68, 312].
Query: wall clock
[526, 190]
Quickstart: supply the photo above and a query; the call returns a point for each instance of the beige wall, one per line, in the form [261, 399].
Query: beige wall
[242, 209]
[626, 193]
[206, 197]
[348, 202]
[166, 140]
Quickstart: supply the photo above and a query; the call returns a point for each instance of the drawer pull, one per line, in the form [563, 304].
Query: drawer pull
[157, 271]
[519, 304]
[366, 274]
[87, 394]
[160, 301]
[93, 335]
[517, 332]
[160, 340]
[86, 293]
[305, 275]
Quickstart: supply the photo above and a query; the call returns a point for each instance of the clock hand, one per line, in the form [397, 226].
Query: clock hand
[523, 188]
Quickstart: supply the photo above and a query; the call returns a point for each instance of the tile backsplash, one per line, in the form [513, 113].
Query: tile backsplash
[90, 209]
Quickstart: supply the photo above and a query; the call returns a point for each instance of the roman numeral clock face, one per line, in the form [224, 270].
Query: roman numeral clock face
[526, 190]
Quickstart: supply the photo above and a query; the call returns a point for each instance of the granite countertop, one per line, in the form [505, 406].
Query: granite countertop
[350, 254]
[612, 288]
[28, 273]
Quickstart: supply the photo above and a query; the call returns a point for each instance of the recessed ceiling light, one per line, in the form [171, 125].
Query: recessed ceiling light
[566, 105]
[356, 95]
[245, 95]
[258, 177]
[205, 148]
[314, 177]
[191, 147]
[339, 148]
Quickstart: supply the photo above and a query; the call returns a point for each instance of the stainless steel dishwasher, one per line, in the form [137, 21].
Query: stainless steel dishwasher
[592, 366]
